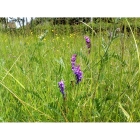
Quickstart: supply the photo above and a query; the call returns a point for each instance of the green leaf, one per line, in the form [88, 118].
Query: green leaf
[125, 113]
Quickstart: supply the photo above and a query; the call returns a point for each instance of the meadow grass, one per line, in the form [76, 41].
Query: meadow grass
[30, 70]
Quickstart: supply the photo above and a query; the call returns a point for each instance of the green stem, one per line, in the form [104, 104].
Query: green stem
[136, 50]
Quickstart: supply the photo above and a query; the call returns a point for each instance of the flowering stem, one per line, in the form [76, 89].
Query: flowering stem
[62, 90]
[88, 43]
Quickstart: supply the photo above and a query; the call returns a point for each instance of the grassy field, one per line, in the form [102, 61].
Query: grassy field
[30, 69]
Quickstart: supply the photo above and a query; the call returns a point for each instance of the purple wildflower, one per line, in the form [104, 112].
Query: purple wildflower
[73, 59]
[62, 87]
[78, 73]
[88, 42]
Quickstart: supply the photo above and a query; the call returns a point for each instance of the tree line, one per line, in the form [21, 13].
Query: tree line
[9, 22]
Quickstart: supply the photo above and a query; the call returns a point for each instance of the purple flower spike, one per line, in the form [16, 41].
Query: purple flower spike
[87, 39]
[78, 73]
[62, 87]
[88, 42]
[73, 59]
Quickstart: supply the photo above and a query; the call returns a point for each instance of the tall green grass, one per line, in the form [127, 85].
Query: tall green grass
[30, 70]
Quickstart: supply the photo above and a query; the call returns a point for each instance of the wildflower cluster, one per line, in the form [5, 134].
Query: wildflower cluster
[88, 42]
[78, 74]
[62, 88]
[76, 69]
[73, 59]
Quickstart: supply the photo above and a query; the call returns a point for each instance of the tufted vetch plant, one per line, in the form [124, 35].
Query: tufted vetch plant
[62, 88]
[73, 59]
[78, 74]
[76, 69]
[88, 43]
